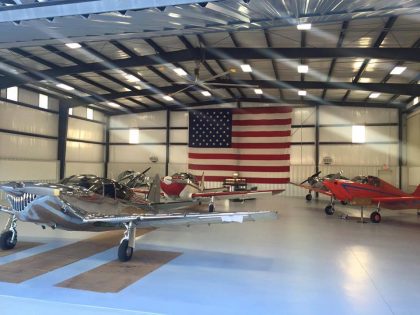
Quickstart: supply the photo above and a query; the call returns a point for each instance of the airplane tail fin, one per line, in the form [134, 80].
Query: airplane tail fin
[154, 192]
[201, 186]
[417, 191]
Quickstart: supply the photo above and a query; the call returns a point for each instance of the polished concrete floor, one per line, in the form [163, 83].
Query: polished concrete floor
[303, 263]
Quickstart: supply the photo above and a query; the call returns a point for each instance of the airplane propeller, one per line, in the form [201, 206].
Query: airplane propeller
[311, 178]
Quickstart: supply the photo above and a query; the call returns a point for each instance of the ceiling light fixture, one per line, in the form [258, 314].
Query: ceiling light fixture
[131, 78]
[206, 93]
[398, 70]
[174, 15]
[179, 71]
[304, 26]
[112, 104]
[303, 68]
[73, 45]
[246, 68]
[168, 98]
[302, 93]
[258, 91]
[64, 87]
[374, 95]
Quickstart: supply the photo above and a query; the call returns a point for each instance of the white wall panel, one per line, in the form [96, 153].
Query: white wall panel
[19, 118]
[136, 153]
[303, 135]
[302, 154]
[413, 139]
[114, 169]
[414, 176]
[179, 119]
[84, 152]
[151, 119]
[356, 115]
[85, 130]
[53, 103]
[178, 154]
[74, 168]
[28, 170]
[344, 133]
[145, 136]
[28, 97]
[27, 148]
[363, 154]
[303, 116]
[178, 136]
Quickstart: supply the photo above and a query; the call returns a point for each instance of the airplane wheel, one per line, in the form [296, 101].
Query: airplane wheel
[7, 241]
[329, 210]
[211, 207]
[124, 251]
[343, 202]
[308, 197]
[375, 217]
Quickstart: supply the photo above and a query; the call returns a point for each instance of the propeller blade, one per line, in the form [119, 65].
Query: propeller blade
[146, 170]
[304, 182]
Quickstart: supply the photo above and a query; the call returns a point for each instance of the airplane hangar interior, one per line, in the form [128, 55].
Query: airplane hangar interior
[210, 157]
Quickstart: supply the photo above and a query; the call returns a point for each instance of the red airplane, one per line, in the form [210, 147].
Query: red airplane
[368, 190]
[185, 186]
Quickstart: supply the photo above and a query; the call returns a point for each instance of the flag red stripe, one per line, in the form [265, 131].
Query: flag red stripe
[285, 133]
[222, 156]
[261, 122]
[262, 110]
[260, 145]
[254, 180]
[238, 168]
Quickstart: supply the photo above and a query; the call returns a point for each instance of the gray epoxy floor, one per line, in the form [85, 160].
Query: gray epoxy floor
[303, 263]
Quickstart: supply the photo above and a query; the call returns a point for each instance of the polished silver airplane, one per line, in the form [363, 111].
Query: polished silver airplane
[91, 203]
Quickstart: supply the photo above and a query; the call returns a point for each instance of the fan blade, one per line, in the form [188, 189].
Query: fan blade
[233, 85]
[215, 76]
[181, 90]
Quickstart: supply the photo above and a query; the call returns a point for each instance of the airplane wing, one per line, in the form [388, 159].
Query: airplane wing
[308, 187]
[186, 218]
[230, 194]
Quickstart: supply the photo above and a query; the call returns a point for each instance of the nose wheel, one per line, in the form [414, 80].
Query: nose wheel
[308, 197]
[8, 238]
[329, 210]
[375, 217]
[211, 205]
[127, 244]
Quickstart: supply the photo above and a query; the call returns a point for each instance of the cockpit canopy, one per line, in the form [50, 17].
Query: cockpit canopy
[184, 177]
[370, 180]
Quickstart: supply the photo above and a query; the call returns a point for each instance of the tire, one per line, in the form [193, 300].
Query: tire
[375, 217]
[308, 197]
[124, 251]
[211, 207]
[329, 210]
[343, 202]
[6, 241]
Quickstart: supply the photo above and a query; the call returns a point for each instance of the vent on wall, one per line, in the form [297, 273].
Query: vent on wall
[327, 160]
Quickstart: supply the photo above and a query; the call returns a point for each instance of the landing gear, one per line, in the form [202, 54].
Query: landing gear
[211, 205]
[127, 244]
[329, 210]
[308, 197]
[375, 217]
[8, 238]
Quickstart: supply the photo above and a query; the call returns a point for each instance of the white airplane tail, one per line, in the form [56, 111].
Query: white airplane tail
[154, 192]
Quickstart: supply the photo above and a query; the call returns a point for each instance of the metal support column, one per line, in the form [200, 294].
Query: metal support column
[316, 142]
[63, 120]
[400, 146]
[106, 162]
[168, 129]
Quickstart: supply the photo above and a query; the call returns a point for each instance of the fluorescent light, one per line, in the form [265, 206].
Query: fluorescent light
[303, 69]
[374, 95]
[65, 87]
[304, 26]
[258, 91]
[180, 71]
[416, 100]
[206, 93]
[112, 104]
[73, 45]
[246, 68]
[131, 78]
[174, 15]
[302, 93]
[398, 70]
[168, 98]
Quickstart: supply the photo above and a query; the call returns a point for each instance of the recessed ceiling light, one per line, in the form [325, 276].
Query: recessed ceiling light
[416, 100]
[168, 98]
[258, 91]
[398, 70]
[65, 87]
[180, 71]
[206, 93]
[174, 15]
[246, 68]
[112, 104]
[131, 78]
[302, 93]
[374, 95]
[304, 26]
[303, 69]
[73, 45]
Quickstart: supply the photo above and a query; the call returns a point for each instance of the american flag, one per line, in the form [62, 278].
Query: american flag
[253, 142]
